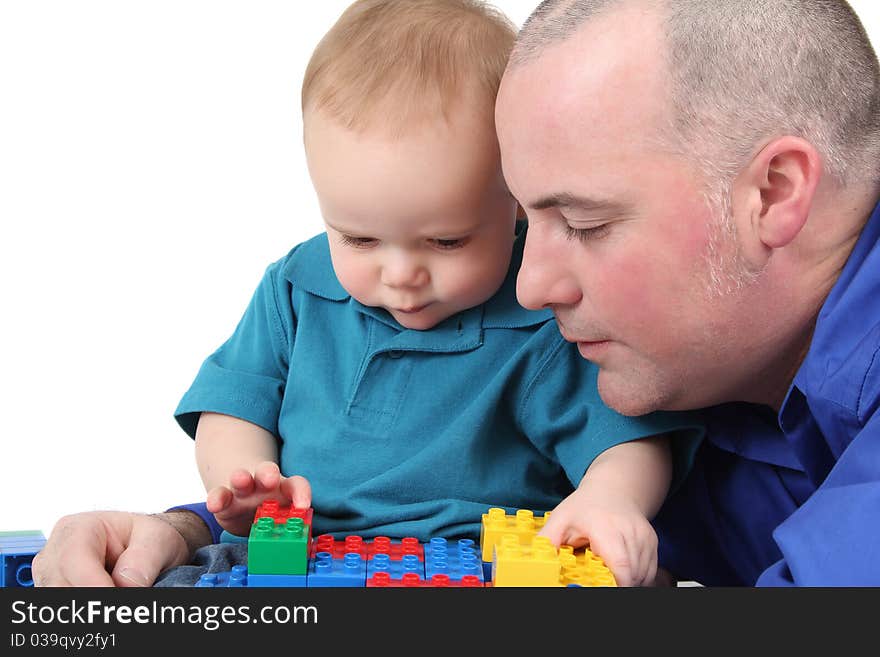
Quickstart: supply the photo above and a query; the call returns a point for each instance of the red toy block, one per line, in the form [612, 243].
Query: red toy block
[411, 580]
[395, 549]
[338, 547]
[280, 513]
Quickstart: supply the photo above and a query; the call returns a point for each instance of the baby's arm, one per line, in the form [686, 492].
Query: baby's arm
[611, 509]
[238, 464]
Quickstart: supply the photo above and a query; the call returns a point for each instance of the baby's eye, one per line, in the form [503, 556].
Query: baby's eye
[447, 245]
[358, 242]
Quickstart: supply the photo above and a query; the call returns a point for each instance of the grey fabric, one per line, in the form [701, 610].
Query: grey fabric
[217, 558]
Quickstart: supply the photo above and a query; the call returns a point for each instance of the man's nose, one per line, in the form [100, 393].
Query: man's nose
[545, 277]
[402, 270]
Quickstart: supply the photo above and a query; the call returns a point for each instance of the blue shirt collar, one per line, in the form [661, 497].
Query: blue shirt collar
[815, 422]
[825, 396]
[310, 269]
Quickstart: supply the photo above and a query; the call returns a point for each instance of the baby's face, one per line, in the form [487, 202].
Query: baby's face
[423, 225]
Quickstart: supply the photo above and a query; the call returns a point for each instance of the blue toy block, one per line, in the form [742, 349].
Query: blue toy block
[235, 578]
[396, 568]
[17, 551]
[286, 581]
[325, 571]
[487, 571]
[456, 561]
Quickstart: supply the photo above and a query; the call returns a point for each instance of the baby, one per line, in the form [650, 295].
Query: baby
[386, 365]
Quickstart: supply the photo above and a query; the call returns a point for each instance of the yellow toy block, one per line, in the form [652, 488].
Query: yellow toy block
[515, 564]
[580, 566]
[496, 523]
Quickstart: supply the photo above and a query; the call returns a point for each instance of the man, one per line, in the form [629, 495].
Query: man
[700, 179]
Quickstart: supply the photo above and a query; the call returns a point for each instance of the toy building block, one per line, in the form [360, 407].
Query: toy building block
[17, 551]
[325, 571]
[444, 581]
[235, 578]
[286, 581]
[411, 580]
[580, 567]
[384, 580]
[278, 549]
[409, 564]
[338, 547]
[395, 549]
[515, 564]
[367, 549]
[496, 523]
[280, 514]
[454, 562]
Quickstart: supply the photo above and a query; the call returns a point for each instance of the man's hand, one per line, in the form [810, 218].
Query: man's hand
[234, 506]
[614, 529]
[117, 548]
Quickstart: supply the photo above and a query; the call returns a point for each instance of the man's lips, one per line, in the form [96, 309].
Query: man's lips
[592, 350]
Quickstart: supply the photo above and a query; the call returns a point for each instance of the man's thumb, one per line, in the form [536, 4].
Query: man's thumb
[154, 547]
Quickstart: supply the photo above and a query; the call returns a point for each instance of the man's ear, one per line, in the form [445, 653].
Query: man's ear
[775, 193]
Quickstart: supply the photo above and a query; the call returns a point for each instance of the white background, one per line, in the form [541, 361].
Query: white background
[151, 166]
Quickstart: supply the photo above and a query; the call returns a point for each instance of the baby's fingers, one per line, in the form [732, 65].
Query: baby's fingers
[617, 556]
[219, 498]
[242, 483]
[298, 490]
[267, 477]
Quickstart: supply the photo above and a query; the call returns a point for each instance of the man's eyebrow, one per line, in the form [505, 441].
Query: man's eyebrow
[582, 203]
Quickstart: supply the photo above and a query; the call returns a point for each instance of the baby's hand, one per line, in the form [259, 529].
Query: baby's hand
[613, 528]
[234, 506]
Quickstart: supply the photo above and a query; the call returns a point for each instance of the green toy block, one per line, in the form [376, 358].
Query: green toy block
[278, 549]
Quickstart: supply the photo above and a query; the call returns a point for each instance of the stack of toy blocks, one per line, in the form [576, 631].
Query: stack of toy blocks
[282, 553]
[278, 546]
[517, 556]
[17, 551]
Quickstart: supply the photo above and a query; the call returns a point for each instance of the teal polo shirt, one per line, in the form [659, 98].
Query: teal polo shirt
[414, 433]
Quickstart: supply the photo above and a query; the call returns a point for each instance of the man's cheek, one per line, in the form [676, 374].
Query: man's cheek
[631, 290]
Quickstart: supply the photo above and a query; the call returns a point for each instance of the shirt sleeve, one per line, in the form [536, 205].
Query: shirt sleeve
[201, 510]
[246, 376]
[831, 540]
[567, 421]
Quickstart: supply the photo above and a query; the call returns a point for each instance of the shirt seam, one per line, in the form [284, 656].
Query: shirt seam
[864, 383]
[278, 324]
[542, 367]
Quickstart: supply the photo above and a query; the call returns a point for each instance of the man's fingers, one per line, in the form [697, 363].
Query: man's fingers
[74, 555]
[154, 546]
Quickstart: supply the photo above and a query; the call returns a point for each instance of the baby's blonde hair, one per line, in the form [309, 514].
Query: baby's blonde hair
[399, 63]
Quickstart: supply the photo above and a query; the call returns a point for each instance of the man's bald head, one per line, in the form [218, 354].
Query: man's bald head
[741, 73]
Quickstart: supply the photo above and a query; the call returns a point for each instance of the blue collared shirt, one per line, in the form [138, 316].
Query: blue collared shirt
[414, 433]
[794, 498]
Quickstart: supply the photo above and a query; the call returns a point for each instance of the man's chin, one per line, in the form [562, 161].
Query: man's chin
[627, 397]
